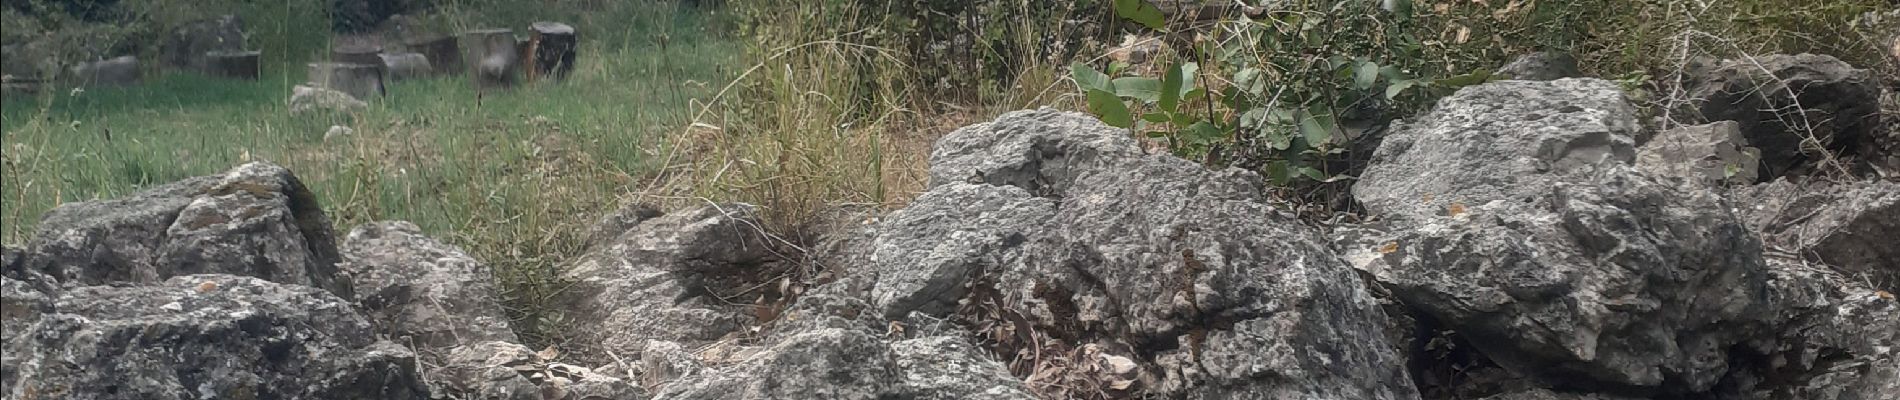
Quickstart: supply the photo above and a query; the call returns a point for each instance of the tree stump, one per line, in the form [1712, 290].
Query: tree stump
[550, 50]
[404, 66]
[443, 52]
[364, 54]
[362, 81]
[496, 56]
[233, 64]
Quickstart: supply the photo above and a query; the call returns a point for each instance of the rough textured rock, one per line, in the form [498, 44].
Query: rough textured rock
[1545, 394]
[306, 99]
[208, 336]
[1782, 100]
[1837, 340]
[362, 81]
[1057, 225]
[1848, 226]
[187, 45]
[111, 72]
[20, 306]
[421, 292]
[1513, 217]
[507, 371]
[254, 220]
[1542, 66]
[662, 280]
[849, 364]
[603, 232]
[1712, 154]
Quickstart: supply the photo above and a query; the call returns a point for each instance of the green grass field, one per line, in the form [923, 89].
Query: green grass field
[514, 176]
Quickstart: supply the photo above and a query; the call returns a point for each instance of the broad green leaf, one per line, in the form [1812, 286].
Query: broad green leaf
[1317, 127]
[1139, 88]
[1110, 108]
[1311, 173]
[1155, 117]
[1090, 79]
[1398, 87]
[1171, 88]
[1367, 75]
[1203, 132]
[1276, 172]
[1143, 13]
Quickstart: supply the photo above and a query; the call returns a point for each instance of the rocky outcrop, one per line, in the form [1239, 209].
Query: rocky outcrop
[508, 371]
[1848, 226]
[206, 336]
[420, 292]
[1541, 66]
[851, 364]
[665, 278]
[1837, 339]
[1059, 230]
[1512, 216]
[255, 220]
[1805, 112]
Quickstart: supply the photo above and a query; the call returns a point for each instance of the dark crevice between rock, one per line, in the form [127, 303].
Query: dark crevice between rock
[318, 238]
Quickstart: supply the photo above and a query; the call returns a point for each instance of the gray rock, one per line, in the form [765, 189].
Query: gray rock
[506, 371]
[187, 44]
[416, 290]
[1054, 224]
[112, 72]
[1514, 218]
[255, 220]
[1848, 226]
[663, 362]
[1783, 100]
[947, 367]
[1545, 394]
[846, 364]
[208, 336]
[306, 99]
[406, 66]
[1542, 66]
[662, 280]
[603, 232]
[1712, 154]
[1837, 339]
[21, 305]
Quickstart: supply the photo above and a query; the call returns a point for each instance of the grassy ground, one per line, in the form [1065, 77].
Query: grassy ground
[514, 177]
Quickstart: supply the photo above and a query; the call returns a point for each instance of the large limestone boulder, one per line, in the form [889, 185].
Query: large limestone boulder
[662, 279]
[255, 220]
[1055, 233]
[206, 336]
[1713, 154]
[416, 290]
[1511, 215]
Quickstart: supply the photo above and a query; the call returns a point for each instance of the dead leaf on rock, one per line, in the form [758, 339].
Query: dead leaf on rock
[1389, 248]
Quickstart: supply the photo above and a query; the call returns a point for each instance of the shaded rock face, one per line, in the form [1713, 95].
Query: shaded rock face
[1837, 340]
[415, 290]
[187, 45]
[1542, 66]
[1057, 227]
[255, 220]
[207, 336]
[1513, 216]
[663, 279]
[1782, 100]
[1849, 226]
[306, 99]
[506, 371]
